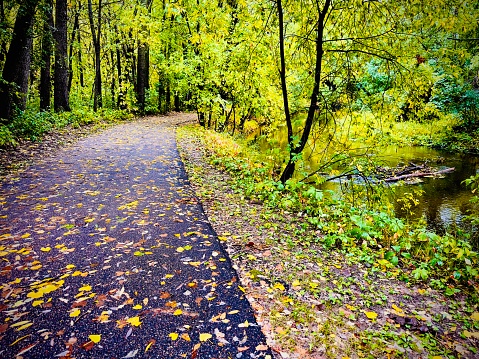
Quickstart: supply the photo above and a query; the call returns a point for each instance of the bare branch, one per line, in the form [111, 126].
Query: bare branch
[360, 38]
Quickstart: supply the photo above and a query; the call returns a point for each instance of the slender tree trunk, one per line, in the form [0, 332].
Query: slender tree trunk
[16, 70]
[45, 71]
[76, 28]
[143, 66]
[96, 35]
[61, 100]
[80, 61]
[296, 149]
[141, 76]
[177, 102]
[113, 79]
[3, 43]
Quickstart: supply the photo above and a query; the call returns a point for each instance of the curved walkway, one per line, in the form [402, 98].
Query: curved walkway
[106, 253]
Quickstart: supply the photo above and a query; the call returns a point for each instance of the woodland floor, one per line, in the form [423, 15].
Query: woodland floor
[106, 253]
[309, 302]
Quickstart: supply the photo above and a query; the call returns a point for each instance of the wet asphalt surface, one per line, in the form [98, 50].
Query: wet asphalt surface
[105, 252]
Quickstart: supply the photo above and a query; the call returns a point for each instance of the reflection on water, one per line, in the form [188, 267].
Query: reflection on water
[444, 200]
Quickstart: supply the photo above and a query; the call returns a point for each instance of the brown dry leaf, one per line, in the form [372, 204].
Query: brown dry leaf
[88, 345]
[165, 295]
[242, 349]
[79, 304]
[100, 300]
[3, 328]
[172, 304]
[261, 347]
[121, 323]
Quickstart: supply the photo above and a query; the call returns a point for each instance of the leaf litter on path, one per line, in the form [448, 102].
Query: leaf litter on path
[105, 250]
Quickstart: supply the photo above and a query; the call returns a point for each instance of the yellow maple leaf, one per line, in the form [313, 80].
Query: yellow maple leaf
[70, 266]
[75, 313]
[178, 312]
[95, 338]
[135, 321]
[85, 288]
[205, 336]
[396, 308]
[35, 295]
[173, 336]
[37, 302]
[46, 249]
[371, 315]
[138, 307]
[475, 316]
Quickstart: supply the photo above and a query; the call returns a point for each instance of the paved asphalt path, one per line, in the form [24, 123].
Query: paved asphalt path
[106, 253]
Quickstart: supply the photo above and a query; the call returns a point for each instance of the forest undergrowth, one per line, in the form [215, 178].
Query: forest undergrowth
[328, 279]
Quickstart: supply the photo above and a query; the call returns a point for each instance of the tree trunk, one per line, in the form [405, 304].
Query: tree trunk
[296, 149]
[97, 92]
[16, 70]
[143, 64]
[61, 100]
[3, 28]
[45, 71]
[76, 28]
[141, 76]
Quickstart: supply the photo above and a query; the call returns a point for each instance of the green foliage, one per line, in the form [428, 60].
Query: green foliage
[32, 125]
[367, 233]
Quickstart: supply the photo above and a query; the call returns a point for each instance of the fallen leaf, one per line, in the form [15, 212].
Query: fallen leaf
[130, 354]
[205, 336]
[173, 336]
[46, 249]
[75, 313]
[95, 338]
[150, 344]
[469, 334]
[475, 316]
[135, 321]
[186, 337]
[371, 315]
[85, 288]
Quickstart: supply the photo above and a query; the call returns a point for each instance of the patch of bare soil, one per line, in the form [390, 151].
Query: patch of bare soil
[315, 303]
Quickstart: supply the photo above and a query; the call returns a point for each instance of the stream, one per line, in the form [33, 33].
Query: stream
[444, 201]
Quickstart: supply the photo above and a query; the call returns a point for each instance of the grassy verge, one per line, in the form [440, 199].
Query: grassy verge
[33, 125]
[328, 279]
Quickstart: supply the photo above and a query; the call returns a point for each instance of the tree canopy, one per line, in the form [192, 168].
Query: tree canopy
[247, 66]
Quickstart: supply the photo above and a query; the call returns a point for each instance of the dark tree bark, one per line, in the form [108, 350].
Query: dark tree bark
[141, 76]
[16, 70]
[121, 97]
[76, 29]
[3, 27]
[61, 100]
[45, 71]
[295, 149]
[143, 64]
[97, 97]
